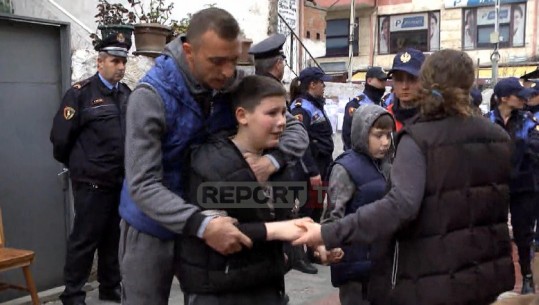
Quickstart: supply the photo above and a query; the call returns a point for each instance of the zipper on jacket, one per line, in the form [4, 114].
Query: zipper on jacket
[395, 267]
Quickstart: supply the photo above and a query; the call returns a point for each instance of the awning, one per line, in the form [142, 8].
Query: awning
[508, 71]
[359, 76]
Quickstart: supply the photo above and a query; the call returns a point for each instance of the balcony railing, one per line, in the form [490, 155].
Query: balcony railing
[298, 56]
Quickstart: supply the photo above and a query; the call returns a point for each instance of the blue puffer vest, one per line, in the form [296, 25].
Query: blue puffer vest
[370, 186]
[185, 125]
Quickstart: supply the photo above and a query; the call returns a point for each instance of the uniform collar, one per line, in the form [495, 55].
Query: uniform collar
[106, 82]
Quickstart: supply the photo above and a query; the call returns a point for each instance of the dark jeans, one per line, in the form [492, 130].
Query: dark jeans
[524, 207]
[315, 200]
[96, 227]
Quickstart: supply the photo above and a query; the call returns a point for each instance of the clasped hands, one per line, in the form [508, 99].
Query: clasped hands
[224, 237]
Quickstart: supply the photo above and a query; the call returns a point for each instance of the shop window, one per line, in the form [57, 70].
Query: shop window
[478, 24]
[420, 31]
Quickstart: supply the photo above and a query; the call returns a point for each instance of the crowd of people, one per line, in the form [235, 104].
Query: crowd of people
[417, 204]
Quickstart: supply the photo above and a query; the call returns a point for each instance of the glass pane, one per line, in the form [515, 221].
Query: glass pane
[337, 27]
[337, 42]
[409, 39]
[483, 34]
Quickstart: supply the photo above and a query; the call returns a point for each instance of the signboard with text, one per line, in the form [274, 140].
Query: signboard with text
[475, 3]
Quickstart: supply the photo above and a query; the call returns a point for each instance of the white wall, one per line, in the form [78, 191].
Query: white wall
[252, 15]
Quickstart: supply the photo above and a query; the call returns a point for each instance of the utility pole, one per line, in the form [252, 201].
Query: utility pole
[351, 38]
[495, 38]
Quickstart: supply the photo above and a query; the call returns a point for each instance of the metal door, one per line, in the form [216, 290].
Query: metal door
[34, 73]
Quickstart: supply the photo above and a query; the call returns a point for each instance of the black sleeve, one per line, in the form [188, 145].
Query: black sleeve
[347, 126]
[308, 157]
[65, 126]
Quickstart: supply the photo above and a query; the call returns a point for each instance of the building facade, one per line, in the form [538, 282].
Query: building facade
[386, 26]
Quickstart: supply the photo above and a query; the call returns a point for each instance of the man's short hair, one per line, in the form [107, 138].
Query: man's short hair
[252, 89]
[215, 19]
[264, 65]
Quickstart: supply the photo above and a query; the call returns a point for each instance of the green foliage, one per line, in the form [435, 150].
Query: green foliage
[156, 12]
[114, 13]
[6, 6]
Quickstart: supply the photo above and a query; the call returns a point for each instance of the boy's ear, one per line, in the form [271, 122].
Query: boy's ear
[241, 115]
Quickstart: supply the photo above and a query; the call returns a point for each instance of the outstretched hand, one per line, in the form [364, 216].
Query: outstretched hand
[312, 236]
[285, 230]
[223, 236]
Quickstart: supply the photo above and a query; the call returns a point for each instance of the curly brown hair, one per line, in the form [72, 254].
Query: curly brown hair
[446, 79]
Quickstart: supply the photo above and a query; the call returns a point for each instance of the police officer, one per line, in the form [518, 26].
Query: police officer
[307, 105]
[375, 87]
[269, 57]
[524, 185]
[88, 137]
[405, 76]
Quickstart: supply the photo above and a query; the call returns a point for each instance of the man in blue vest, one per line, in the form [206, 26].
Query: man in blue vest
[375, 87]
[184, 98]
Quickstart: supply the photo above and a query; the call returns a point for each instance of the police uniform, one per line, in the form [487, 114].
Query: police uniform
[318, 156]
[268, 48]
[370, 95]
[88, 138]
[523, 128]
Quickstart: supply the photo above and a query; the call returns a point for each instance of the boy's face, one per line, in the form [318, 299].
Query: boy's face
[379, 142]
[265, 124]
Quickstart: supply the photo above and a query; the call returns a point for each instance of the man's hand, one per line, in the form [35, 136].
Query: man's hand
[260, 165]
[313, 236]
[224, 237]
[316, 180]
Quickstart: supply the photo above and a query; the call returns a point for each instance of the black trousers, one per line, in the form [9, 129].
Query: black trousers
[315, 206]
[524, 207]
[96, 227]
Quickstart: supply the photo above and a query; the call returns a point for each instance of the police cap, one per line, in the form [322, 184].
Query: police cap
[116, 44]
[376, 72]
[508, 86]
[409, 61]
[269, 47]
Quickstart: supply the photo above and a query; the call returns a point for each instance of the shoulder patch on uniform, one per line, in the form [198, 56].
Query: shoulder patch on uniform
[359, 98]
[69, 113]
[81, 84]
[297, 104]
[351, 111]
[537, 128]
[299, 117]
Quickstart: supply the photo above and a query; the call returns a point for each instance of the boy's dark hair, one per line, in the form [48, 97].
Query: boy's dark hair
[385, 121]
[252, 89]
[215, 19]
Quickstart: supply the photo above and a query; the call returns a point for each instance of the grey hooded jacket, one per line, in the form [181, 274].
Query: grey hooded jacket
[341, 186]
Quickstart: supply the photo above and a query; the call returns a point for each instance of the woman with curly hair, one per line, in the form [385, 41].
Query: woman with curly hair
[447, 206]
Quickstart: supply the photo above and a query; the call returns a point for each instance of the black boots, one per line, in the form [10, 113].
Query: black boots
[114, 295]
[304, 266]
[527, 284]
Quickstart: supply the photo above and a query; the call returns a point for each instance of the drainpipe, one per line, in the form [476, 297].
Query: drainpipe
[372, 34]
[68, 14]
[534, 39]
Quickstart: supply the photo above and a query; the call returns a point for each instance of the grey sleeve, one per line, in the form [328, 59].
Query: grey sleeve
[145, 126]
[340, 191]
[294, 140]
[383, 217]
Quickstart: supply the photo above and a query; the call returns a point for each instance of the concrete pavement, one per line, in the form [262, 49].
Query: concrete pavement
[303, 289]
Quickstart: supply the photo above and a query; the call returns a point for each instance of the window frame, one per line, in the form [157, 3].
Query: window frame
[426, 48]
[340, 52]
[503, 44]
